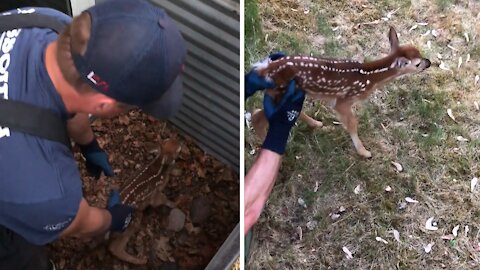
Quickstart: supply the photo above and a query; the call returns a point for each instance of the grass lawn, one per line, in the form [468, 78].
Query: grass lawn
[405, 122]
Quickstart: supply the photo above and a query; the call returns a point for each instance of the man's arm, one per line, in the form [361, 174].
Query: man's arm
[88, 222]
[79, 129]
[258, 185]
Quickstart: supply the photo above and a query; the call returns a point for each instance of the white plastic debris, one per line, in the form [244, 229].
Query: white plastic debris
[467, 39]
[476, 105]
[455, 230]
[347, 253]
[477, 77]
[388, 189]
[379, 239]
[413, 27]
[410, 200]
[302, 203]
[396, 235]
[468, 58]
[429, 225]
[357, 189]
[450, 114]
[316, 186]
[428, 247]
[473, 183]
[459, 62]
[466, 230]
[336, 123]
[398, 166]
[443, 66]
[434, 33]
[461, 139]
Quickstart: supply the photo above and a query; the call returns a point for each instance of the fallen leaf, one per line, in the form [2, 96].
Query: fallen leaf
[477, 77]
[461, 139]
[467, 229]
[342, 209]
[335, 216]
[316, 186]
[448, 237]
[459, 62]
[410, 200]
[302, 203]
[300, 233]
[357, 189]
[434, 33]
[455, 230]
[311, 225]
[473, 183]
[402, 205]
[396, 235]
[429, 225]
[388, 189]
[379, 239]
[450, 114]
[428, 247]
[468, 58]
[467, 39]
[413, 27]
[397, 165]
[443, 66]
[347, 252]
[476, 105]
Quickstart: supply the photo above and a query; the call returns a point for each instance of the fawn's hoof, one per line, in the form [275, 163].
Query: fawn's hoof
[365, 153]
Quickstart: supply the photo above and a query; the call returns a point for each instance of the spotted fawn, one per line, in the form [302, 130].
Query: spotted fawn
[146, 189]
[341, 82]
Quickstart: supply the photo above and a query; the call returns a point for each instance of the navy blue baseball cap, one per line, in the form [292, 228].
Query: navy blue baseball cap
[135, 55]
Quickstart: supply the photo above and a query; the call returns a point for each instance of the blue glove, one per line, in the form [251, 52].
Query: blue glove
[121, 213]
[281, 117]
[254, 82]
[96, 159]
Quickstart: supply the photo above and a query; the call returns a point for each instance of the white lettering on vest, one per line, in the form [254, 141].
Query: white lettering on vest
[7, 41]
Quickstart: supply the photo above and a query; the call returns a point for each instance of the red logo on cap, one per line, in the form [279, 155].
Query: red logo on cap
[98, 81]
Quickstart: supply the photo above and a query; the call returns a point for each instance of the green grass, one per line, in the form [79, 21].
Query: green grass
[405, 122]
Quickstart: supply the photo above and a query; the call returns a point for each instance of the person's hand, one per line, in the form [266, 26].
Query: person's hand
[255, 82]
[281, 117]
[96, 160]
[121, 213]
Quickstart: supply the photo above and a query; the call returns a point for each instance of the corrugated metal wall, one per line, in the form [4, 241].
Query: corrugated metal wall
[210, 112]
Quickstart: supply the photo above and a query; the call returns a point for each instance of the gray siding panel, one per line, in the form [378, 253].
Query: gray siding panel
[210, 112]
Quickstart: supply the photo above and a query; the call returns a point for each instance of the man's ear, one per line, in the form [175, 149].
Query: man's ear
[101, 102]
[80, 32]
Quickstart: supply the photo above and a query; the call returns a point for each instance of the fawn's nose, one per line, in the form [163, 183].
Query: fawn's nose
[427, 63]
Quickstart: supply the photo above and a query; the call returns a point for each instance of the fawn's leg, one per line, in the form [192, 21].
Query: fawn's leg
[260, 124]
[161, 199]
[119, 243]
[350, 122]
[309, 120]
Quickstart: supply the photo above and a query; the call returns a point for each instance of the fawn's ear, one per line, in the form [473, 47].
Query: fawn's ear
[392, 36]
